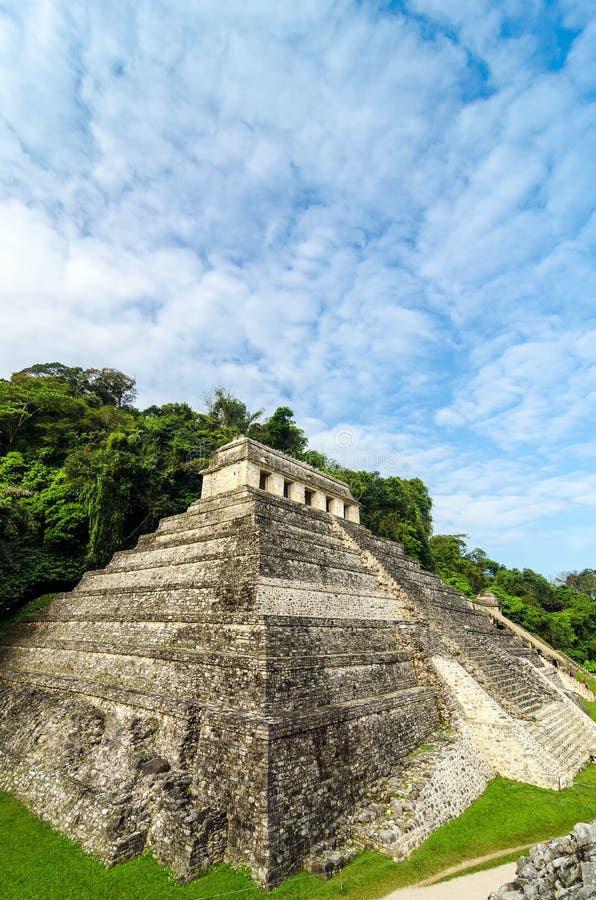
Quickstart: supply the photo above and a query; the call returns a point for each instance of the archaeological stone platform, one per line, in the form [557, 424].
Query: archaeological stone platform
[235, 686]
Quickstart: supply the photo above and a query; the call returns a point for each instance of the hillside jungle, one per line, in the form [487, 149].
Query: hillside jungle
[84, 473]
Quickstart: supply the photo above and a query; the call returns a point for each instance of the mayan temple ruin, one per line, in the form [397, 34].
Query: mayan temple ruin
[240, 685]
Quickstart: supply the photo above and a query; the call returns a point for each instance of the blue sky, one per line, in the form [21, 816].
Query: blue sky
[381, 214]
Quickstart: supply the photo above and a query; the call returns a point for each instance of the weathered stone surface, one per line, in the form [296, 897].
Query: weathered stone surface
[250, 682]
[557, 870]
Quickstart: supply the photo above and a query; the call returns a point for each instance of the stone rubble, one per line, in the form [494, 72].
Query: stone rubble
[562, 869]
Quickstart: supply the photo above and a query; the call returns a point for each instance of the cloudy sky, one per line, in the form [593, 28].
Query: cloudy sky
[381, 214]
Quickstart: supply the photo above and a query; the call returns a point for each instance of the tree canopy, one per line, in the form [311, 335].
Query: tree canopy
[561, 613]
[84, 473]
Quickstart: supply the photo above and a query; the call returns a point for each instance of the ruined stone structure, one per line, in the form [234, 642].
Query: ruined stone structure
[562, 869]
[241, 683]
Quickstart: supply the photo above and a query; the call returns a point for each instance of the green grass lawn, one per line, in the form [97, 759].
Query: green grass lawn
[37, 862]
[590, 705]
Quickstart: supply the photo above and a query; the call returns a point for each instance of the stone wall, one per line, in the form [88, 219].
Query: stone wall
[436, 784]
[316, 769]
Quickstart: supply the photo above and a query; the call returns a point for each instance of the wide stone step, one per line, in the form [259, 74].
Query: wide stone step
[568, 747]
[560, 732]
[527, 701]
[189, 574]
[501, 673]
[195, 677]
[520, 698]
[509, 690]
[88, 687]
[204, 636]
[210, 511]
[304, 542]
[198, 532]
[230, 547]
[519, 694]
[284, 637]
[321, 574]
[563, 726]
[509, 678]
[211, 655]
[276, 550]
[174, 555]
[179, 602]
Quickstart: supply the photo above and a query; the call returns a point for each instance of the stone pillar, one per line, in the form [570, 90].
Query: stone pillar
[319, 500]
[252, 474]
[353, 513]
[336, 507]
[297, 492]
[207, 488]
[275, 484]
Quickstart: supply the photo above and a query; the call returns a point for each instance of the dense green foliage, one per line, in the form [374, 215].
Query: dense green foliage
[563, 614]
[84, 473]
[39, 862]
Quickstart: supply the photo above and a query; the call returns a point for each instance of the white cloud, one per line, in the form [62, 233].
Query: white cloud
[384, 219]
[534, 392]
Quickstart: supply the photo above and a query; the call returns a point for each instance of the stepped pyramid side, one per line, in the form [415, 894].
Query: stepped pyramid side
[151, 672]
[525, 725]
[233, 687]
[226, 690]
[344, 683]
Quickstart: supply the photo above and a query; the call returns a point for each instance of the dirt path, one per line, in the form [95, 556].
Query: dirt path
[475, 886]
[468, 887]
[470, 863]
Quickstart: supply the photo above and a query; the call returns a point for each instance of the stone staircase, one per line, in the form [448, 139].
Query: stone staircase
[505, 677]
[369, 562]
[566, 733]
[508, 745]
[524, 726]
[496, 659]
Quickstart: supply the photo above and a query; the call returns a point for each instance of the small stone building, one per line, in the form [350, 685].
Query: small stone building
[244, 463]
[235, 686]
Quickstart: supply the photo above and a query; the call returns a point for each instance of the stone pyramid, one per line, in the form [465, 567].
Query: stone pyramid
[233, 687]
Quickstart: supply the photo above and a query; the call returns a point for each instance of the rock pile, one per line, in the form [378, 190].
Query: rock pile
[562, 869]
[436, 784]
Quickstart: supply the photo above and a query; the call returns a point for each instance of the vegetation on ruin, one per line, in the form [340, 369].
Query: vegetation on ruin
[39, 862]
[590, 705]
[562, 614]
[84, 473]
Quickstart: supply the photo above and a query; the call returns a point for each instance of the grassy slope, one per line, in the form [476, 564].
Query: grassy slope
[38, 862]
